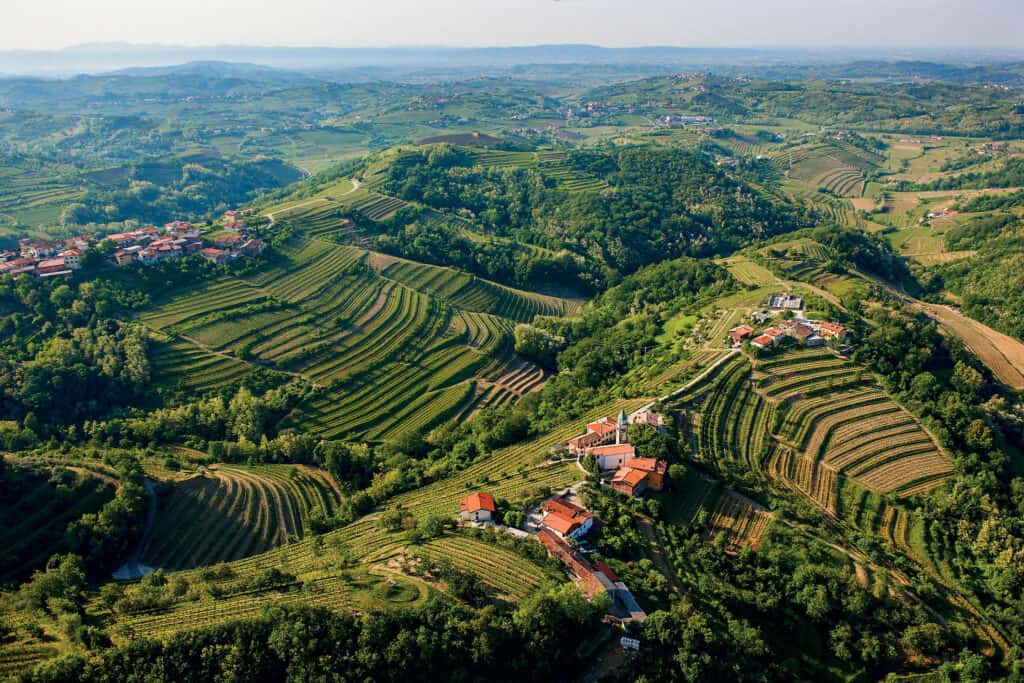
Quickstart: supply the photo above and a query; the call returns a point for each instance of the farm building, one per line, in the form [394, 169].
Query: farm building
[629, 481]
[655, 469]
[477, 507]
[762, 342]
[833, 331]
[593, 579]
[565, 519]
[217, 256]
[786, 301]
[52, 267]
[738, 334]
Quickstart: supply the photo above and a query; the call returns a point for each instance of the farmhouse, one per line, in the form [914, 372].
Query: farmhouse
[786, 301]
[72, 258]
[477, 507]
[218, 256]
[833, 331]
[629, 481]
[763, 341]
[566, 520]
[39, 249]
[738, 334]
[639, 475]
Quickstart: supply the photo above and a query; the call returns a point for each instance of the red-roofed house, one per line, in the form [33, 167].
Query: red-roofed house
[763, 341]
[231, 240]
[833, 331]
[630, 481]
[655, 469]
[477, 507]
[565, 519]
[738, 334]
[217, 256]
[774, 332]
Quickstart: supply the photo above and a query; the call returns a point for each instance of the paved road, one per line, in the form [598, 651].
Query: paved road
[132, 568]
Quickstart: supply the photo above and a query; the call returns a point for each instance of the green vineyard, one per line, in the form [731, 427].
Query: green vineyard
[427, 342]
[810, 419]
[234, 512]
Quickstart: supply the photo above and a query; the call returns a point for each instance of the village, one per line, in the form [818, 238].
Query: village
[565, 527]
[146, 246]
[806, 331]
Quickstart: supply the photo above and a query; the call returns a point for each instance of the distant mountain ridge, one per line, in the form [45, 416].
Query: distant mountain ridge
[113, 57]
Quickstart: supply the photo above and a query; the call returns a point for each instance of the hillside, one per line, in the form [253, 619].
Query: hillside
[390, 349]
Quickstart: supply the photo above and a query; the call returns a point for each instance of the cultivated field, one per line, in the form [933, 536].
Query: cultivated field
[230, 512]
[394, 345]
[808, 419]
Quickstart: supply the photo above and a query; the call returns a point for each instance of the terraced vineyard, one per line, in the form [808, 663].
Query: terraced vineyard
[511, 473]
[511, 575]
[741, 520]
[567, 177]
[425, 341]
[834, 422]
[178, 364]
[233, 512]
[474, 294]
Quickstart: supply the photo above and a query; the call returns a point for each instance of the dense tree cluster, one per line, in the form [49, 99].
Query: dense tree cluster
[440, 641]
[665, 203]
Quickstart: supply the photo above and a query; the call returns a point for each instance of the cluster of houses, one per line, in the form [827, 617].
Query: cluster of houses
[607, 441]
[45, 258]
[804, 330]
[51, 258]
[563, 523]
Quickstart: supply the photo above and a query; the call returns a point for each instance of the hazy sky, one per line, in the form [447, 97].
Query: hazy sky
[44, 24]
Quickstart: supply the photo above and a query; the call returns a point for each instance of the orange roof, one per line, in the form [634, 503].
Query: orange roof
[560, 523]
[648, 464]
[833, 327]
[613, 449]
[742, 329]
[630, 476]
[605, 425]
[774, 332]
[565, 508]
[764, 339]
[477, 501]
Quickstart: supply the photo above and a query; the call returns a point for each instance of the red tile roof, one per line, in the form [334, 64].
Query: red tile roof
[648, 464]
[477, 501]
[560, 523]
[764, 339]
[613, 449]
[630, 476]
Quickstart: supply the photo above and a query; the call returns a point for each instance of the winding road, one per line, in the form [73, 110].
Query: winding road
[132, 568]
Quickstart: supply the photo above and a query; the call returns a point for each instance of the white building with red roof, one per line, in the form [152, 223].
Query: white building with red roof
[477, 507]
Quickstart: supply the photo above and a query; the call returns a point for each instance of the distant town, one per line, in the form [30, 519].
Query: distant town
[227, 240]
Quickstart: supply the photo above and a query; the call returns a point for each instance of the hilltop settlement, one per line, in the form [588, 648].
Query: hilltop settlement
[146, 246]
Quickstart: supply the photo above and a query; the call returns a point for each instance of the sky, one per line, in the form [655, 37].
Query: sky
[51, 24]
